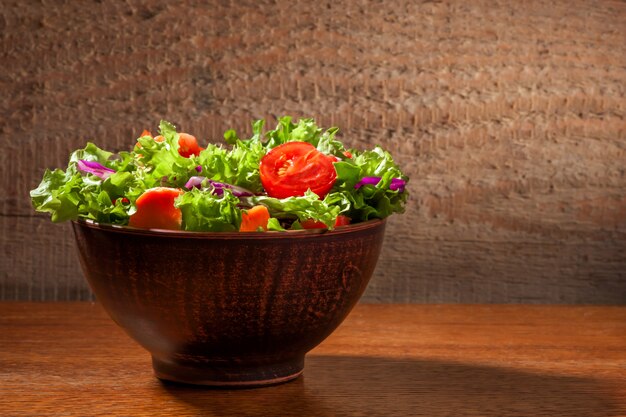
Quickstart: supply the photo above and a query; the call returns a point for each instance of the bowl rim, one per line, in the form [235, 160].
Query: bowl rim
[351, 228]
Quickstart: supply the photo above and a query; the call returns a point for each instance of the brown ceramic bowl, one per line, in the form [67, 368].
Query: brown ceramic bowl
[228, 309]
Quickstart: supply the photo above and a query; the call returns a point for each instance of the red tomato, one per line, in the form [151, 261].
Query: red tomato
[341, 220]
[254, 218]
[124, 200]
[188, 145]
[155, 210]
[292, 168]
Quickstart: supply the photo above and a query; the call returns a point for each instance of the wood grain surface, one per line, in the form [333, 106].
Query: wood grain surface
[69, 359]
[507, 116]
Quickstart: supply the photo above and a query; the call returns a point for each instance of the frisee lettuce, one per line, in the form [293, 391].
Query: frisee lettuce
[204, 211]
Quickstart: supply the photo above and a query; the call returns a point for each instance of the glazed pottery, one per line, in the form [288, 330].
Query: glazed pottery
[228, 309]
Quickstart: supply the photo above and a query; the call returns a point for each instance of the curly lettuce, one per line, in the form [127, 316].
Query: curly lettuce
[102, 186]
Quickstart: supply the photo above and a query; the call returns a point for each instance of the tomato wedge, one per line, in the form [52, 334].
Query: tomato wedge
[292, 168]
[188, 145]
[155, 210]
[254, 218]
[342, 220]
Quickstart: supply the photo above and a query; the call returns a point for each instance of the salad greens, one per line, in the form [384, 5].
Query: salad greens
[220, 182]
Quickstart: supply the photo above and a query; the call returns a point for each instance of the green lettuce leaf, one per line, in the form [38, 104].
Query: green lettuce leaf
[71, 194]
[160, 164]
[58, 194]
[273, 224]
[308, 206]
[91, 153]
[205, 212]
[240, 165]
[305, 131]
[369, 201]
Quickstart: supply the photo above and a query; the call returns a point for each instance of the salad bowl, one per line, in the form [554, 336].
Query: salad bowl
[228, 309]
[228, 264]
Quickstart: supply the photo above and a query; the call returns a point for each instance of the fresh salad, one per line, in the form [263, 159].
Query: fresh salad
[297, 176]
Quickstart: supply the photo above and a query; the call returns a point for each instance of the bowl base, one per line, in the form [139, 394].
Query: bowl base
[220, 374]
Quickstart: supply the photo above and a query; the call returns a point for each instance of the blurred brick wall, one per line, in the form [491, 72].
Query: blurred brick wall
[508, 116]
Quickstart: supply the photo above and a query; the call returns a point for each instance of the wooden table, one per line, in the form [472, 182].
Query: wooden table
[70, 359]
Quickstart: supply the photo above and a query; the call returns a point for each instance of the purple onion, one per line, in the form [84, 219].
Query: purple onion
[199, 168]
[218, 187]
[367, 181]
[95, 168]
[397, 184]
[194, 182]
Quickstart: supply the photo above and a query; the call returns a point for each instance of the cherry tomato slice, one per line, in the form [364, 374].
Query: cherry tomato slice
[342, 220]
[155, 209]
[292, 168]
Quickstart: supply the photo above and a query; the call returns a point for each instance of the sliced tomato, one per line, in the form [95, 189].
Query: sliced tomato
[188, 145]
[292, 168]
[123, 200]
[254, 218]
[155, 209]
[341, 220]
[145, 133]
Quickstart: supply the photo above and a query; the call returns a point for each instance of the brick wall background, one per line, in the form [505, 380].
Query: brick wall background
[508, 116]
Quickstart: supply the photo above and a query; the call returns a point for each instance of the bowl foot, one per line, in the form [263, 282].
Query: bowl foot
[225, 374]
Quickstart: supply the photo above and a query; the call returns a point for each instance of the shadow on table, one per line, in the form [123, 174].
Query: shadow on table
[365, 386]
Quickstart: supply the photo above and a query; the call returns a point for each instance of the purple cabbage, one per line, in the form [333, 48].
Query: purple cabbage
[397, 184]
[218, 187]
[95, 168]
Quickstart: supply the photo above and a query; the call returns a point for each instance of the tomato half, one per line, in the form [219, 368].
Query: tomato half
[155, 209]
[292, 168]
